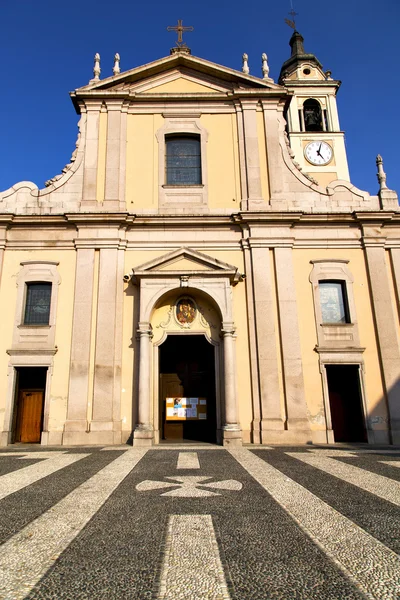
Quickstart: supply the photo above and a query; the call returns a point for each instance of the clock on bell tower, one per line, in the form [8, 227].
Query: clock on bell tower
[312, 117]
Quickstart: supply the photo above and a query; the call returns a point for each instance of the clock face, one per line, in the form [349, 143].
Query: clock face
[318, 153]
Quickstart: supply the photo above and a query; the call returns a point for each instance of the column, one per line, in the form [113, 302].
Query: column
[387, 325]
[113, 155]
[143, 434]
[297, 420]
[91, 154]
[80, 347]
[232, 434]
[271, 418]
[255, 199]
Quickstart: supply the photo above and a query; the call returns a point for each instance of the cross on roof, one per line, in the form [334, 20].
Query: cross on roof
[180, 29]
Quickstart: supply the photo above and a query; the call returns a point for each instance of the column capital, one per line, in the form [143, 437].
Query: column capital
[228, 329]
[144, 329]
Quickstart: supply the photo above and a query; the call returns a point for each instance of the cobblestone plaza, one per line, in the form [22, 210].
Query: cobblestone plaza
[199, 522]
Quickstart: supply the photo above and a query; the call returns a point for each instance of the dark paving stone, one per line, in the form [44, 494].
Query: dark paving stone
[9, 464]
[376, 516]
[264, 553]
[20, 508]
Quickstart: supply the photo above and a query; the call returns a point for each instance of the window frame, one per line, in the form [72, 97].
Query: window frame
[334, 335]
[29, 336]
[182, 198]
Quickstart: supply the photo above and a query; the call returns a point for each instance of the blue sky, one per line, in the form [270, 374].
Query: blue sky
[47, 49]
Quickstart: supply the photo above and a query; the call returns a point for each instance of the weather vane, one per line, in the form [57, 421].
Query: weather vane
[179, 29]
[291, 22]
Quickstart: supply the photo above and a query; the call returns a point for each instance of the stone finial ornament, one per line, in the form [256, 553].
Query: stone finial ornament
[381, 175]
[265, 67]
[328, 74]
[96, 68]
[116, 68]
[245, 67]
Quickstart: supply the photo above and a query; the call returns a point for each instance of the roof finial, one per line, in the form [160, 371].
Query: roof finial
[265, 67]
[245, 67]
[96, 68]
[381, 175]
[116, 68]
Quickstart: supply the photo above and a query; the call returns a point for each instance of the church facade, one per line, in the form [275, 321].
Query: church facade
[202, 269]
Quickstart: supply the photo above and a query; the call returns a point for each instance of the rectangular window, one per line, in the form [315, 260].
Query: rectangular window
[37, 306]
[334, 307]
[183, 160]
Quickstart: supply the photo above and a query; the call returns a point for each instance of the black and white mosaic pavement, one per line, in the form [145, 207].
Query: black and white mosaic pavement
[175, 524]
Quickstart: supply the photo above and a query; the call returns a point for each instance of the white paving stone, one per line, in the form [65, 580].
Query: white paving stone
[26, 557]
[188, 460]
[380, 486]
[17, 480]
[192, 567]
[372, 567]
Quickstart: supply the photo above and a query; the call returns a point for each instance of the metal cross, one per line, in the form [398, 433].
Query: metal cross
[293, 14]
[180, 29]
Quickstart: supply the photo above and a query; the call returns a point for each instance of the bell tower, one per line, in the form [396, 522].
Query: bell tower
[312, 117]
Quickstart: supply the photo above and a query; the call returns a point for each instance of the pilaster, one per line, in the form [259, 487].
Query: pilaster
[80, 346]
[271, 418]
[89, 195]
[254, 193]
[113, 155]
[296, 408]
[386, 321]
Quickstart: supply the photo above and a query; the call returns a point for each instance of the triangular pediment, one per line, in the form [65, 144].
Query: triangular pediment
[175, 72]
[186, 262]
[176, 81]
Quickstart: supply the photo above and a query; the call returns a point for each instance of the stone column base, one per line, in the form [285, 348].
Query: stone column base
[232, 435]
[5, 438]
[143, 436]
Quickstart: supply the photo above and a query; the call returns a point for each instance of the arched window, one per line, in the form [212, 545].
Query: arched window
[183, 160]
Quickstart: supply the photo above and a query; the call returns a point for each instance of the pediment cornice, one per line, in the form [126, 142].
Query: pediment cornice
[196, 264]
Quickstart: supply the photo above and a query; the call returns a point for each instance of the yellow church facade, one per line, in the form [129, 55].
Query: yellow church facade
[202, 269]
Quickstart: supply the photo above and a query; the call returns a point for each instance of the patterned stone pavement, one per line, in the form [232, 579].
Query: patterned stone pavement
[203, 522]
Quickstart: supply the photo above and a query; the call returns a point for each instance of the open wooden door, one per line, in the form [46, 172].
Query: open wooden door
[30, 415]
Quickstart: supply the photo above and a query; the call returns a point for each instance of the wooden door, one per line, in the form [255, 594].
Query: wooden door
[30, 414]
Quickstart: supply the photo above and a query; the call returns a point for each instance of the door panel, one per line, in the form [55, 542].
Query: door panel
[30, 411]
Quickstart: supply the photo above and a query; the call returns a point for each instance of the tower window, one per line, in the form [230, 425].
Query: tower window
[37, 306]
[183, 160]
[312, 115]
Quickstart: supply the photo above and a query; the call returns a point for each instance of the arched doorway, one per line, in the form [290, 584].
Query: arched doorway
[187, 401]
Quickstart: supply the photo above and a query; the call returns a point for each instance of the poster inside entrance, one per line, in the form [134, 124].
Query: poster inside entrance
[186, 409]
